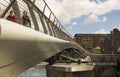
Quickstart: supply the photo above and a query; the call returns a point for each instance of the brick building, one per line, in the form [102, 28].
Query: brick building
[92, 40]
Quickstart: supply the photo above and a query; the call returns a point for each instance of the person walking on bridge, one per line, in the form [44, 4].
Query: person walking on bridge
[11, 16]
[26, 19]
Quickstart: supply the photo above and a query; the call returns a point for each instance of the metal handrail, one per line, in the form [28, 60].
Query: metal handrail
[56, 22]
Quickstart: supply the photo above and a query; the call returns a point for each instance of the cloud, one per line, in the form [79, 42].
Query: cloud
[102, 31]
[91, 19]
[66, 10]
[94, 19]
[70, 27]
[104, 19]
[117, 26]
[74, 23]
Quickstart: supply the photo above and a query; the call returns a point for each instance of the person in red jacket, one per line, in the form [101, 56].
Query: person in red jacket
[11, 17]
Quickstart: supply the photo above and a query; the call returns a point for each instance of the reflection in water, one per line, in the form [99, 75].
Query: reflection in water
[111, 73]
[34, 72]
[101, 72]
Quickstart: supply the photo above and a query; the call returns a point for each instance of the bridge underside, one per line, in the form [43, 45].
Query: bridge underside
[68, 56]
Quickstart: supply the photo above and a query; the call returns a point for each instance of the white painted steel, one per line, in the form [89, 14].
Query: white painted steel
[22, 48]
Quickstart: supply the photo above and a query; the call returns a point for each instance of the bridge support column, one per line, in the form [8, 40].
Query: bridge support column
[69, 70]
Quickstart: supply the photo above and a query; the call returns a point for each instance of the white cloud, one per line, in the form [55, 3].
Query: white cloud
[104, 19]
[91, 19]
[118, 27]
[102, 31]
[69, 9]
[94, 19]
[66, 10]
[70, 27]
[74, 23]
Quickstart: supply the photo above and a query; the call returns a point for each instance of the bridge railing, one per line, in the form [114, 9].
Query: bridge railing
[41, 16]
[105, 57]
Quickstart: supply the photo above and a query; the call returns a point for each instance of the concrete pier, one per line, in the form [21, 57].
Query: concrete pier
[70, 70]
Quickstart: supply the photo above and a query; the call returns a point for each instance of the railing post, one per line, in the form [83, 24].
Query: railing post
[33, 15]
[48, 25]
[44, 9]
[43, 23]
[17, 12]
[59, 30]
[53, 28]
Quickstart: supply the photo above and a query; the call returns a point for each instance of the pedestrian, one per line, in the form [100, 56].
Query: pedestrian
[26, 19]
[11, 17]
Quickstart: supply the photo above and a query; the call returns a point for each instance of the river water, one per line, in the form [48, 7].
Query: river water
[34, 72]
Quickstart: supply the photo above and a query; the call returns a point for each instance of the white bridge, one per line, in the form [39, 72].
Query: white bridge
[22, 47]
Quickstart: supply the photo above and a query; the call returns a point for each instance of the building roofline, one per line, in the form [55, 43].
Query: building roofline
[90, 34]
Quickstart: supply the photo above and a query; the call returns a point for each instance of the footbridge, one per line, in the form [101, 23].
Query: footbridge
[47, 40]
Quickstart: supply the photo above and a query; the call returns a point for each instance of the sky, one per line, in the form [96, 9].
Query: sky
[87, 16]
